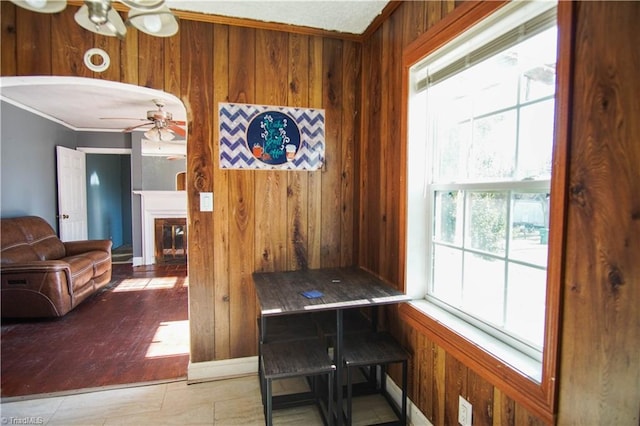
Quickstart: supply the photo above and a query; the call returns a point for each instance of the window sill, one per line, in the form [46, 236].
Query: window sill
[511, 357]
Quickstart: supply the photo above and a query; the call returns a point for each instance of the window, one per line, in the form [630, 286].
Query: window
[489, 134]
[480, 144]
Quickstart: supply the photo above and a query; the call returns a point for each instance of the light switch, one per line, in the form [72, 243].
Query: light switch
[206, 201]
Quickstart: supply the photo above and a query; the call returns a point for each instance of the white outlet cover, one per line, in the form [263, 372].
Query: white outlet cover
[206, 201]
[464, 412]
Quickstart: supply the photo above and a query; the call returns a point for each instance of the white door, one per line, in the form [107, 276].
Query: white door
[72, 194]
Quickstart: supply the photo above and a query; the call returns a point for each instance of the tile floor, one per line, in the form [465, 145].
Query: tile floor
[224, 402]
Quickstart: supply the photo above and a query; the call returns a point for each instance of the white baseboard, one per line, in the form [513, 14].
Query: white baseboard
[137, 261]
[414, 415]
[224, 369]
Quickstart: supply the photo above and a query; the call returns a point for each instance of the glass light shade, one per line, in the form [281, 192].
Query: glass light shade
[144, 4]
[159, 134]
[104, 21]
[42, 6]
[159, 23]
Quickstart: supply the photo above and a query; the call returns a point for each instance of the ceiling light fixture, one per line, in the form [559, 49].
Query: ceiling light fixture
[42, 6]
[159, 134]
[143, 4]
[149, 16]
[99, 17]
[160, 22]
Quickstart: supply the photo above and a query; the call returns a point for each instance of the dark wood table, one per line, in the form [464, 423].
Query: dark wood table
[281, 293]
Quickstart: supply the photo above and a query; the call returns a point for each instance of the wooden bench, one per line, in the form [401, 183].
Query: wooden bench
[296, 358]
[371, 350]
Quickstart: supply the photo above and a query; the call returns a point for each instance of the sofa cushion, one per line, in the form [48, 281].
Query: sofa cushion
[81, 270]
[101, 261]
[29, 238]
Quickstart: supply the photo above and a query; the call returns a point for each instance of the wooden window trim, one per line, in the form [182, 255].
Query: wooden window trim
[539, 398]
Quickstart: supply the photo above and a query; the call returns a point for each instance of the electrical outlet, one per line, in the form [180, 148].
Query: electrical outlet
[464, 412]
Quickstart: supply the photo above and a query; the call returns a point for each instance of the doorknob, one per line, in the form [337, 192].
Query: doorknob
[65, 216]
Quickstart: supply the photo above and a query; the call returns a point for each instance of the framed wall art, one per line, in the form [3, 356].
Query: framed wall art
[262, 137]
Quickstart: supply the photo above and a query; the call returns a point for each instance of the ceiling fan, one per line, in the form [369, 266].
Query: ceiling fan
[164, 126]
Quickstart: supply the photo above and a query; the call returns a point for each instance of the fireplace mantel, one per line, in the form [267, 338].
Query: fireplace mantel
[158, 204]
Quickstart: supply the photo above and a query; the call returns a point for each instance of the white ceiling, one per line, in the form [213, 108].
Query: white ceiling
[85, 104]
[81, 104]
[348, 16]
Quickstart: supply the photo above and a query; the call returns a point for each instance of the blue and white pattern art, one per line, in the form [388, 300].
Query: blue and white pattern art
[261, 137]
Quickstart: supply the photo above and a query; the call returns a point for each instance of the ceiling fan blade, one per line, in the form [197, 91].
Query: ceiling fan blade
[179, 122]
[177, 130]
[123, 118]
[128, 129]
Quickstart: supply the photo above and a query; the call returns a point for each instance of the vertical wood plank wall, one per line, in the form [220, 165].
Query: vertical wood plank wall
[348, 212]
[600, 348]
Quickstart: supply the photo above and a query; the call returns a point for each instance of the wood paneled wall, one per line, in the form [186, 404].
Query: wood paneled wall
[347, 213]
[600, 349]
[262, 220]
[599, 380]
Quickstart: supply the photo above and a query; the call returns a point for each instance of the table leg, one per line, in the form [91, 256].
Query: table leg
[263, 335]
[338, 362]
[374, 318]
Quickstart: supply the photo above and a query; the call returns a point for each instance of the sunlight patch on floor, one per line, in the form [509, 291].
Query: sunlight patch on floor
[171, 339]
[135, 284]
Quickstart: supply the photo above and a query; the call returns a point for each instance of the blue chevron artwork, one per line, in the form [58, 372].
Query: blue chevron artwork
[262, 137]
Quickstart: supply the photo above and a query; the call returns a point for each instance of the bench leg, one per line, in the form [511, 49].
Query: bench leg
[269, 414]
[404, 393]
[349, 398]
[330, 403]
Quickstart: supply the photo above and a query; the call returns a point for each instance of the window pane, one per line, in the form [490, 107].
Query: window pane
[526, 302]
[538, 59]
[447, 274]
[450, 151]
[484, 287]
[448, 217]
[536, 140]
[451, 133]
[498, 79]
[493, 150]
[530, 228]
[488, 221]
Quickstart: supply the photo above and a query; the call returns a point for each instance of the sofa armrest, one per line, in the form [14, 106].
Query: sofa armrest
[11, 272]
[78, 247]
[36, 266]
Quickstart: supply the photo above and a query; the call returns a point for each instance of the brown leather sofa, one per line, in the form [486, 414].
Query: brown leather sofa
[43, 276]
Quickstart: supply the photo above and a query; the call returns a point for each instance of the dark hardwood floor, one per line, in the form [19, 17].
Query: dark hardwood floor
[135, 330]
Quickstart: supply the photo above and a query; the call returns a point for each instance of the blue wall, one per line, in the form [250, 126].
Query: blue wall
[109, 197]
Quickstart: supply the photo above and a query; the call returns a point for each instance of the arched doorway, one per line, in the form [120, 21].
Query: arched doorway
[81, 105]
[87, 106]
